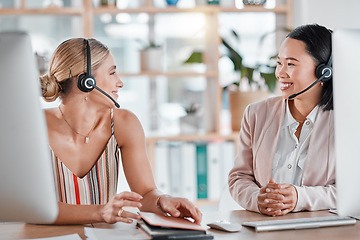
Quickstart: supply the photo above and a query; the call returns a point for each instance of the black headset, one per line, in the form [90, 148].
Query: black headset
[86, 82]
[325, 70]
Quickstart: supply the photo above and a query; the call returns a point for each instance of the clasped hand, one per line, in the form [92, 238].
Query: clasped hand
[277, 199]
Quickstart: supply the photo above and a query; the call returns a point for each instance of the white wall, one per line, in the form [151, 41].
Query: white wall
[333, 14]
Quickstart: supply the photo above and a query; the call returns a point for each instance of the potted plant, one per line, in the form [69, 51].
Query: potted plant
[152, 58]
[238, 99]
[259, 88]
[195, 62]
[191, 122]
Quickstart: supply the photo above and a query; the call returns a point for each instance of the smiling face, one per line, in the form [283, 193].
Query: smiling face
[296, 70]
[108, 80]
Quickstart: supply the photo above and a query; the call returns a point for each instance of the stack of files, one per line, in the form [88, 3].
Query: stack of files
[158, 226]
[194, 170]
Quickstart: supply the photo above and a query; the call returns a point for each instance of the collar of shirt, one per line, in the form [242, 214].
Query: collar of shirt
[290, 120]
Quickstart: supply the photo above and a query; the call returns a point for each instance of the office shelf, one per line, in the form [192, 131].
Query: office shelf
[87, 13]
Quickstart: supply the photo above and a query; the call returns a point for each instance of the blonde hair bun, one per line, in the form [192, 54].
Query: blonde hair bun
[50, 87]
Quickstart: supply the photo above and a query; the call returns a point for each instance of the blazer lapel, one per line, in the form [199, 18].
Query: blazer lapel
[316, 169]
[266, 145]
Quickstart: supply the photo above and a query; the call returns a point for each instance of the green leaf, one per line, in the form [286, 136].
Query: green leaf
[195, 57]
[235, 34]
[248, 73]
[270, 80]
[234, 56]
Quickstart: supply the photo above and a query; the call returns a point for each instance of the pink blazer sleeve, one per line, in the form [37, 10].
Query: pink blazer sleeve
[315, 198]
[242, 183]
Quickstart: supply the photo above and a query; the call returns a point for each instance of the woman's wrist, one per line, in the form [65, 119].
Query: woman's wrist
[158, 203]
[150, 201]
[99, 215]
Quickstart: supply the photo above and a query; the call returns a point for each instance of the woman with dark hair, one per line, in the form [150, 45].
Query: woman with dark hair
[286, 159]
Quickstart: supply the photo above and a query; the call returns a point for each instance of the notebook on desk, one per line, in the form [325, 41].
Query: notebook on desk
[162, 227]
[299, 223]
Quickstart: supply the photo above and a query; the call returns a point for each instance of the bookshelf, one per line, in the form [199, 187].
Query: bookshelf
[86, 11]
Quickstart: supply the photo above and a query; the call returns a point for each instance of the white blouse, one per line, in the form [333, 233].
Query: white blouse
[291, 152]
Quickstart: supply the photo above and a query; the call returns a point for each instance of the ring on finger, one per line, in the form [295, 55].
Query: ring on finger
[120, 212]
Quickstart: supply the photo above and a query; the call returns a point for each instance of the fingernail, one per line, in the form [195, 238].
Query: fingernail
[268, 190]
[129, 221]
[269, 209]
[266, 200]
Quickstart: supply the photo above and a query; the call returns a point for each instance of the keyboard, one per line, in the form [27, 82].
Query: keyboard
[299, 223]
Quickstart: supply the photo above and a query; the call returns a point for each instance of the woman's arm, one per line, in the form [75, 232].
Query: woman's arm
[242, 183]
[315, 198]
[78, 214]
[280, 199]
[83, 214]
[131, 140]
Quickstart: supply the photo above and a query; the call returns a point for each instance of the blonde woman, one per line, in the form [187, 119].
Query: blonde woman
[85, 133]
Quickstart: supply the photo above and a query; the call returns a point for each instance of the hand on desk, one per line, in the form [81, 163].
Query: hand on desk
[112, 211]
[179, 207]
[277, 199]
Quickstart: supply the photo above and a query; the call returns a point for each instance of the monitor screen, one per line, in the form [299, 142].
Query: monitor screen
[27, 189]
[346, 83]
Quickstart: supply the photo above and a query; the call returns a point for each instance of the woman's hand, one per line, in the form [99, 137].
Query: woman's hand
[113, 211]
[179, 207]
[277, 199]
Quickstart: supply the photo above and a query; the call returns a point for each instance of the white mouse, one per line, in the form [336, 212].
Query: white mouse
[225, 226]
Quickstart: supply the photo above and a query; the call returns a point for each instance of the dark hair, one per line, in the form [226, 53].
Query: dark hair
[318, 44]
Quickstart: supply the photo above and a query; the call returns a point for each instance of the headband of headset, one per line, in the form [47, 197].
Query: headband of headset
[86, 82]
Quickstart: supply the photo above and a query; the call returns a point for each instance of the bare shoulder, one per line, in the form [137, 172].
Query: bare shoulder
[127, 127]
[124, 116]
[126, 122]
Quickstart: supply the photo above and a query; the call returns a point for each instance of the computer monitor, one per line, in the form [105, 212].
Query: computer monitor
[27, 188]
[346, 83]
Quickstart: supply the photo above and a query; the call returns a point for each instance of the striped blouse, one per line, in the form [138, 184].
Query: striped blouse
[97, 186]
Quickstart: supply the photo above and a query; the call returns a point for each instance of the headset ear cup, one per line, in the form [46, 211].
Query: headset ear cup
[82, 82]
[320, 69]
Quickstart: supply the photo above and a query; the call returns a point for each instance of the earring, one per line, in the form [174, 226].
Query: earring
[322, 84]
[86, 98]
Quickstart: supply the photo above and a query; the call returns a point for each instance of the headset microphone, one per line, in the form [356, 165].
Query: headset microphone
[86, 82]
[100, 90]
[313, 84]
[323, 72]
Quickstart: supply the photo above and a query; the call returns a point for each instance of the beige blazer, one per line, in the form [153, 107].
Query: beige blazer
[259, 135]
